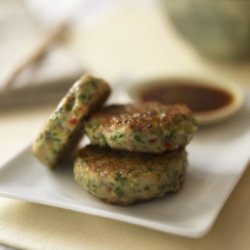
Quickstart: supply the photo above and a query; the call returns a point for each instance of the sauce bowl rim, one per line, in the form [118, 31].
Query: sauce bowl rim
[205, 118]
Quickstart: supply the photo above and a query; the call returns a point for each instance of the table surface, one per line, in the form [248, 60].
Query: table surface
[167, 53]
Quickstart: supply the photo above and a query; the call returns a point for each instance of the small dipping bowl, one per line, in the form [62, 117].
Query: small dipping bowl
[210, 99]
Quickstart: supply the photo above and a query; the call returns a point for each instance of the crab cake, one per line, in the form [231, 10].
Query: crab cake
[143, 127]
[64, 129]
[121, 177]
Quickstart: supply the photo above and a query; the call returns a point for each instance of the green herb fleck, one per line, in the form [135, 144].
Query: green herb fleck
[173, 132]
[118, 191]
[85, 97]
[120, 178]
[52, 136]
[138, 138]
[116, 137]
[70, 103]
[162, 188]
[93, 188]
[94, 83]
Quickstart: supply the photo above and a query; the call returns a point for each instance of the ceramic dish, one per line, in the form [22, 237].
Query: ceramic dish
[191, 212]
[207, 117]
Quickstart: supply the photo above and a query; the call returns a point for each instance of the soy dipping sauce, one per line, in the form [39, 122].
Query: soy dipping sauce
[198, 97]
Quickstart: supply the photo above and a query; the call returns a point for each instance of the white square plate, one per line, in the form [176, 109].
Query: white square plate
[218, 156]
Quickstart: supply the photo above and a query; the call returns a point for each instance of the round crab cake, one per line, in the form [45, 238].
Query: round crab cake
[64, 129]
[143, 127]
[122, 178]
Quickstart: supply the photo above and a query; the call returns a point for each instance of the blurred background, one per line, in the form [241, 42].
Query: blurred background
[116, 39]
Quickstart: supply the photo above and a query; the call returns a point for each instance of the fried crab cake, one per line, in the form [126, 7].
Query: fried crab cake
[122, 178]
[143, 127]
[63, 130]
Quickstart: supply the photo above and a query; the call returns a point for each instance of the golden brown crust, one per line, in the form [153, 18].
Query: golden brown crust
[97, 159]
[148, 127]
[141, 115]
[121, 177]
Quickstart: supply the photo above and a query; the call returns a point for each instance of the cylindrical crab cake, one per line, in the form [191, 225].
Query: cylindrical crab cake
[64, 129]
[143, 127]
[121, 177]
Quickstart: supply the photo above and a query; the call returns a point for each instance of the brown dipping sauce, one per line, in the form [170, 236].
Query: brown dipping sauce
[198, 97]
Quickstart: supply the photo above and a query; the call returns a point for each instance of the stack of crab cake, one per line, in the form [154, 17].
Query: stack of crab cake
[137, 151]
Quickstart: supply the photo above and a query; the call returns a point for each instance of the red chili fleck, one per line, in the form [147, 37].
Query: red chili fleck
[152, 140]
[168, 146]
[73, 121]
